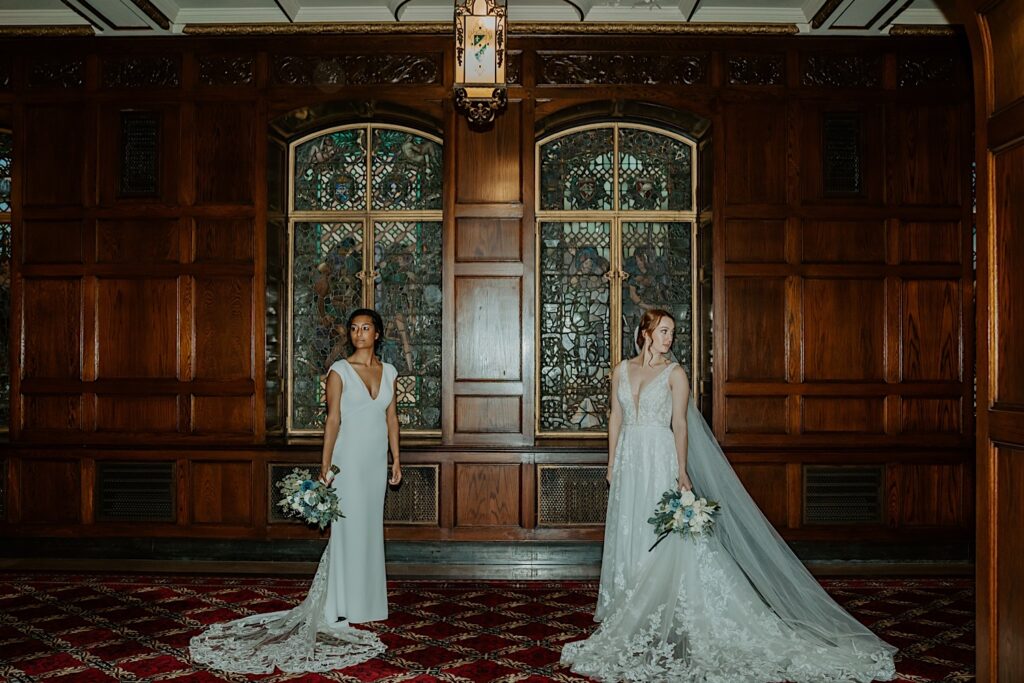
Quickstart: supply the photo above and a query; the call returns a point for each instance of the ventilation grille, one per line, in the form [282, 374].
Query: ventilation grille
[135, 491]
[842, 495]
[140, 149]
[571, 495]
[415, 501]
[842, 154]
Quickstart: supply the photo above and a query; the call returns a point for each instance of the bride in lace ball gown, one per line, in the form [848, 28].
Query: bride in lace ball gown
[735, 607]
[350, 584]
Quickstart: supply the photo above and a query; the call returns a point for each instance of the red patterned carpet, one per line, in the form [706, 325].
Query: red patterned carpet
[101, 627]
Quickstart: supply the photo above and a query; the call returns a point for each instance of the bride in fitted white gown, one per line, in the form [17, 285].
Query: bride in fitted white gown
[735, 607]
[350, 584]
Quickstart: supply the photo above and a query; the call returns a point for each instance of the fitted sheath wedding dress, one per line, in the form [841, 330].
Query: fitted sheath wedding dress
[350, 585]
[734, 607]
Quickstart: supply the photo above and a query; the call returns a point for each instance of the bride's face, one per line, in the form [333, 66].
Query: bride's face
[661, 337]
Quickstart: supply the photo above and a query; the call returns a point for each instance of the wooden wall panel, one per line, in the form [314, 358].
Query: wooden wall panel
[51, 413]
[768, 487]
[756, 328]
[843, 329]
[225, 144]
[756, 414]
[844, 242]
[927, 242]
[54, 179]
[136, 414]
[932, 495]
[826, 415]
[926, 145]
[223, 415]
[487, 317]
[137, 328]
[488, 414]
[488, 163]
[1010, 566]
[223, 328]
[931, 330]
[221, 492]
[1004, 23]
[755, 154]
[52, 329]
[487, 239]
[230, 240]
[748, 241]
[1009, 330]
[137, 241]
[931, 415]
[51, 491]
[486, 495]
[52, 241]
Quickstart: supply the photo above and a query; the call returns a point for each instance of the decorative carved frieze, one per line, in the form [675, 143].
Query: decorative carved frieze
[141, 72]
[843, 71]
[56, 73]
[5, 73]
[756, 69]
[621, 69]
[921, 70]
[356, 69]
[227, 70]
[514, 68]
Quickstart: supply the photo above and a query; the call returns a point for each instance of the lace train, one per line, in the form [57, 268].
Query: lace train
[294, 641]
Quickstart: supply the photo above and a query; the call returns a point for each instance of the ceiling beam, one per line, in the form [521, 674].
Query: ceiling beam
[827, 9]
[153, 13]
[687, 8]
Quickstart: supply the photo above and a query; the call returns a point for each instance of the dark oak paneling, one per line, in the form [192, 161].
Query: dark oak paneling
[931, 330]
[755, 241]
[926, 145]
[224, 240]
[932, 495]
[486, 495]
[54, 179]
[931, 415]
[225, 152]
[765, 483]
[487, 239]
[223, 328]
[52, 241]
[488, 163]
[137, 328]
[488, 414]
[137, 241]
[487, 317]
[223, 415]
[51, 491]
[136, 413]
[844, 242]
[824, 415]
[52, 315]
[55, 413]
[843, 329]
[755, 149]
[221, 493]
[756, 414]
[930, 242]
[1009, 331]
[756, 328]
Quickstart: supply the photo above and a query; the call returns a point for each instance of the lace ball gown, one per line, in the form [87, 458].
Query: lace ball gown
[735, 607]
[350, 584]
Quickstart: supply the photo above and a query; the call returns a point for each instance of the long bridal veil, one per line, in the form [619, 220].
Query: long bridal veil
[295, 641]
[779, 577]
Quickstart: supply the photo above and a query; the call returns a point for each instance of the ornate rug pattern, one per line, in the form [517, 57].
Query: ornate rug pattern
[58, 627]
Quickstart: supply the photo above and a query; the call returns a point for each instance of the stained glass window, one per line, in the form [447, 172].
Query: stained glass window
[365, 230]
[616, 221]
[6, 147]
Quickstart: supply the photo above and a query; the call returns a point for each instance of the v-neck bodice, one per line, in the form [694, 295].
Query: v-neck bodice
[652, 405]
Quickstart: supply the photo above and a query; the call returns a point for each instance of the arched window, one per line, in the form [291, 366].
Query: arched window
[6, 147]
[616, 231]
[364, 226]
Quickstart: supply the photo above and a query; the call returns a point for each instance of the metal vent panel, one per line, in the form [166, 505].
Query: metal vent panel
[842, 495]
[135, 491]
[571, 495]
[140, 154]
[842, 165]
[415, 501]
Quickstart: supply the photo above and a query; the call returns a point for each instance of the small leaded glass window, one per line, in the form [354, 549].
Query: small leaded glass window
[617, 236]
[6, 145]
[365, 231]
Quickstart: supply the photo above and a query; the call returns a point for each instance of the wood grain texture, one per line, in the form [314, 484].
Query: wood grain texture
[223, 415]
[229, 240]
[927, 242]
[51, 412]
[843, 329]
[136, 414]
[926, 166]
[1005, 23]
[54, 179]
[767, 485]
[486, 495]
[756, 328]
[488, 163]
[755, 149]
[50, 491]
[138, 241]
[489, 330]
[931, 330]
[933, 495]
[137, 328]
[52, 241]
[221, 492]
[756, 414]
[826, 415]
[223, 328]
[225, 139]
[931, 415]
[52, 315]
[843, 242]
[749, 241]
[488, 414]
[487, 239]
[1008, 266]
[1009, 548]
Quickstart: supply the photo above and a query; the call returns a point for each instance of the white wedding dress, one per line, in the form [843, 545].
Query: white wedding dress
[735, 607]
[350, 584]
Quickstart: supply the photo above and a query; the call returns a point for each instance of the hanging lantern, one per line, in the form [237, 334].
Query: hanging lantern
[480, 59]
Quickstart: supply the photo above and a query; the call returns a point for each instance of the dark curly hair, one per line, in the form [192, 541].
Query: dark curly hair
[378, 324]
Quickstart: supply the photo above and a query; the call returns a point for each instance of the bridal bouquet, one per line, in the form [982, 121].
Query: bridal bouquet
[311, 501]
[682, 512]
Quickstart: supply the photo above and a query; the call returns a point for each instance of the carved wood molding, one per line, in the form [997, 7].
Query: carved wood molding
[914, 71]
[27, 31]
[515, 28]
[422, 69]
[56, 73]
[925, 30]
[756, 69]
[5, 73]
[843, 71]
[140, 72]
[621, 69]
[227, 70]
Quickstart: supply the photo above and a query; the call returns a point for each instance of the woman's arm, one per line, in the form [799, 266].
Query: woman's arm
[393, 434]
[614, 423]
[680, 389]
[334, 389]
